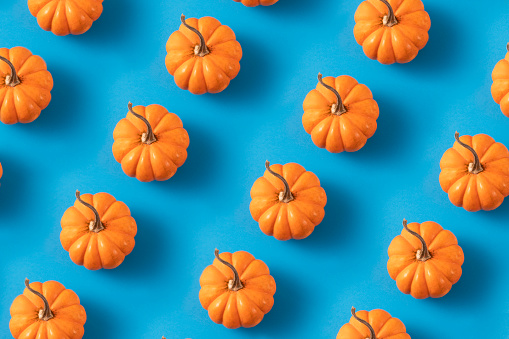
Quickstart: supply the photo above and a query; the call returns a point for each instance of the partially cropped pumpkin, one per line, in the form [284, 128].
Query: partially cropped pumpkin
[1, 171]
[288, 201]
[254, 3]
[98, 231]
[340, 114]
[425, 260]
[237, 289]
[25, 85]
[203, 55]
[500, 87]
[150, 143]
[63, 17]
[475, 172]
[375, 324]
[47, 310]
[392, 30]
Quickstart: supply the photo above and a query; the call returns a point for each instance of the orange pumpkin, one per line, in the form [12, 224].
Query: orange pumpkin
[1, 171]
[500, 87]
[475, 172]
[375, 324]
[425, 260]
[254, 3]
[64, 17]
[391, 30]
[237, 289]
[288, 201]
[203, 55]
[25, 85]
[98, 231]
[150, 143]
[47, 310]
[340, 114]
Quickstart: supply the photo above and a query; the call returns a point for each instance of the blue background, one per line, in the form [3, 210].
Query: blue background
[206, 204]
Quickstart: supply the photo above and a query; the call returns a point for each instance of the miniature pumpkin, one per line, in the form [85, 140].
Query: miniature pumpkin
[340, 114]
[47, 310]
[475, 172]
[375, 324]
[1, 171]
[500, 87]
[64, 17]
[98, 231]
[203, 55]
[287, 201]
[25, 85]
[391, 30]
[150, 143]
[237, 289]
[425, 260]
[254, 3]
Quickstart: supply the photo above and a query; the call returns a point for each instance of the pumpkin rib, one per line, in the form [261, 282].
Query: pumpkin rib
[83, 11]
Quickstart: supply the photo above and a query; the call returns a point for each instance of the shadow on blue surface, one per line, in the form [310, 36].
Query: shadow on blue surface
[13, 186]
[295, 7]
[99, 320]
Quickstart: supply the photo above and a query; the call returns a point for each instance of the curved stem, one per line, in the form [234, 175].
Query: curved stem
[13, 79]
[338, 108]
[285, 196]
[148, 137]
[46, 313]
[507, 47]
[235, 284]
[364, 322]
[96, 225]
[390, 19]
[474, 167]
[423, 254]
[201, 49]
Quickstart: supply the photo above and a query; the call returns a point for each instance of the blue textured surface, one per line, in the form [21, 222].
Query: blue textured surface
[206, 204]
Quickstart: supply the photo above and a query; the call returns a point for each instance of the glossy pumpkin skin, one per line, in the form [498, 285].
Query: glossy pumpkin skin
[348, 131]
[63, 17]
[296, 219]
[254, 3]
[69, 315]
[158, 160]
[485, 190]
[500, 87]
[23, 102]
[385, 326]
[212, 72]
[433, 277]
[106, 248]
[245, 307]
[398, 43]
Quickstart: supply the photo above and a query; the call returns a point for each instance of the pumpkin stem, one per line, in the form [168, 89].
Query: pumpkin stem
[12, 79]
[147, 137]
[338, 108]
[364, 322]
[199, 50]
[422, 254]
[507, 47]
[390, 19]
[235, 284]
[45, 314]
[474, 167]
[286, 195]
[95, 225]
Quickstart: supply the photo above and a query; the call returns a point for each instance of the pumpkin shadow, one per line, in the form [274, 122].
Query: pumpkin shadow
[293, 7]
[99, 320]
[14, 187]
[418, 330]
[498, 215]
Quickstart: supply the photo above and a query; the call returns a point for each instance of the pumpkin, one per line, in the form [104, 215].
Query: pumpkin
[203, 55]
[150, 143]
[375, 324]
[1, 171]
[47, 310]
[340, 114]
[475, 172]
[500, 87]
[391, 30]
[254, 3]
[288, 201]
[98, 231]
[63, 17]
[425, 260]
[25, 85]
[237, 289]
